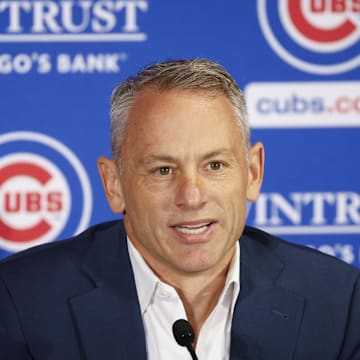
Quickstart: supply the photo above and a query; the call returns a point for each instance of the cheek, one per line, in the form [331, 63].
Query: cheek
[234, 203]
[234, 192]
[147, 208]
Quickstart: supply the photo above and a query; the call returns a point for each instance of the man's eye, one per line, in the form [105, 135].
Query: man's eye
[215, 165]
[165, 170]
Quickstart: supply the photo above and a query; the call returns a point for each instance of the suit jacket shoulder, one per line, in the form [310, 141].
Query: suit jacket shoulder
[295, 302]
[306, 265]
[71, 299]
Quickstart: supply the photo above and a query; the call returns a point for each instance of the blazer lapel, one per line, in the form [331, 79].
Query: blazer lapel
[266, 318]
[108, 318]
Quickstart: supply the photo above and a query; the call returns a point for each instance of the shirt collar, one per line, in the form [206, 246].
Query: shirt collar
[146, 280]
[232, 282]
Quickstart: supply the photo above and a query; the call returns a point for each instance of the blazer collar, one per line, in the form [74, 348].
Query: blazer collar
[108, 317]
[267, 317]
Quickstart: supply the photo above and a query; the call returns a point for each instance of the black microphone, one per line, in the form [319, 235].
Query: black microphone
[184, 335]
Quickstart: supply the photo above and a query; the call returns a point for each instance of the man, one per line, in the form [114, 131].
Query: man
[181, 174]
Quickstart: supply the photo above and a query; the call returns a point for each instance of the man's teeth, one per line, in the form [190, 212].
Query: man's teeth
[193, 229]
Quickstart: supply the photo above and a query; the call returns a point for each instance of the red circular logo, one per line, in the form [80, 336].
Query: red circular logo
[322, 25]
[316, 36]
[35, 201]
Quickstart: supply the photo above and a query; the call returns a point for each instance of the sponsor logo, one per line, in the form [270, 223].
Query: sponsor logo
[69, 21]
[307, 213]
[331, 218]
[39, 200]
[303, 104]
[63, 63]
[315, 36]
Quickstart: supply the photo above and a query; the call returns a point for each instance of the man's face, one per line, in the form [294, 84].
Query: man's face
[185, 180]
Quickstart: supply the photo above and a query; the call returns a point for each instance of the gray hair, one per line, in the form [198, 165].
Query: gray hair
[192, 74]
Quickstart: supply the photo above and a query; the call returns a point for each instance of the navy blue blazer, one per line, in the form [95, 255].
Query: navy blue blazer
[76, 299]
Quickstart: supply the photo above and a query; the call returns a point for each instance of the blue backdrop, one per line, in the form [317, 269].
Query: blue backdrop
[298, 62]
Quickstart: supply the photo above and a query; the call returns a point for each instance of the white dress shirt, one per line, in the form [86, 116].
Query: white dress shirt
[161, 306]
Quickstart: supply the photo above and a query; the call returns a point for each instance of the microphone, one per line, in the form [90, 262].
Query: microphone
[184, 335]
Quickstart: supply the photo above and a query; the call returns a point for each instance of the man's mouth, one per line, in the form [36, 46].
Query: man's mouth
[193, 229]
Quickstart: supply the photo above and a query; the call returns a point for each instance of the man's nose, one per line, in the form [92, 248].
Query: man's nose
[190, 193]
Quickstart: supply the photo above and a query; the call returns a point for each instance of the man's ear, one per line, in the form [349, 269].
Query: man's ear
[110, 178]
[255, 171]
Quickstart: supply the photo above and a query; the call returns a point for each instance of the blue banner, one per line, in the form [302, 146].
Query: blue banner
[297, 61]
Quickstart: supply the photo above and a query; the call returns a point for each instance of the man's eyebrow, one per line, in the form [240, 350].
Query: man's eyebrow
[157, 157]
[218, 152]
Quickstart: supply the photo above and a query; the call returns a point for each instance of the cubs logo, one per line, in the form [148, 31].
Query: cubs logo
[42, 183]
[315, 36]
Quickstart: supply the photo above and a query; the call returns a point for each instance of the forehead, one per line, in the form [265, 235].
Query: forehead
[179, 119]
[172, 106]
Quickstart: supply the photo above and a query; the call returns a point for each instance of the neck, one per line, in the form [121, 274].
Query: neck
[200, 292]
[200, 296]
